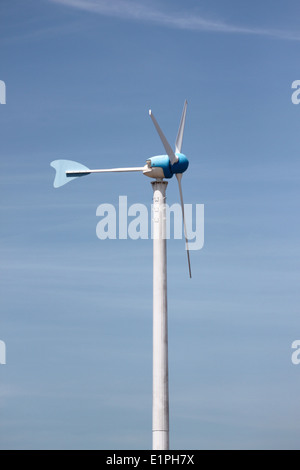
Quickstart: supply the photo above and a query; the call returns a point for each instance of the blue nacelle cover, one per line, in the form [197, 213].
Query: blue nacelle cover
[163, 161]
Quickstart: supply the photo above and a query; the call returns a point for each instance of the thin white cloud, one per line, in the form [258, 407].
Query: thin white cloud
[133, 10]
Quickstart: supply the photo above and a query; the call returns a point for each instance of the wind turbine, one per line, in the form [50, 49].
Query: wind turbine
[158, 167]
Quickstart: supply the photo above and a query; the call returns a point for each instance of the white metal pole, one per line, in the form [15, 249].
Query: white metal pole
[160, 410]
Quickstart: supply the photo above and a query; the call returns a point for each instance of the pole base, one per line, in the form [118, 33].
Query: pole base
[160, 440]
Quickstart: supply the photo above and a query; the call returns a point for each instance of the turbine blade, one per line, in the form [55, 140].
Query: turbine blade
[173, 158]
[179, 139]
[179, 176]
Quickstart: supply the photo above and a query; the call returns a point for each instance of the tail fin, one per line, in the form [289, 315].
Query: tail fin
[62, 167]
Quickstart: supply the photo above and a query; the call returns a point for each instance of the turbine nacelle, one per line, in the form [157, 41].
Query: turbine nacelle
[161, 167]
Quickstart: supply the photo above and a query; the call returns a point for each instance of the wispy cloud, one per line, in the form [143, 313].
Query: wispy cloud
[133, 10]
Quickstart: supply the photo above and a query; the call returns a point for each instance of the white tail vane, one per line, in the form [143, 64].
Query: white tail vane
[179, 177]
[67, 170]
[173, 158]
[179, 139]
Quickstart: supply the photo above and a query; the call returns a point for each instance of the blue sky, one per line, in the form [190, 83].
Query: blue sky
[76, 312]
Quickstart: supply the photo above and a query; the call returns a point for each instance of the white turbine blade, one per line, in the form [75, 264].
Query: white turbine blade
[173, 158]
[108, 170]
[179, 176]
[179, 139]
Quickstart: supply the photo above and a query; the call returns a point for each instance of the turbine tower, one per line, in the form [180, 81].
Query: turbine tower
[160, 167]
